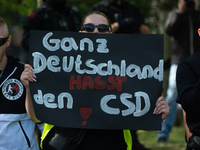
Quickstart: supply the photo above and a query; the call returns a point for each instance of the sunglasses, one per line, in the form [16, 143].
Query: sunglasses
[101, 27]
[3, 40]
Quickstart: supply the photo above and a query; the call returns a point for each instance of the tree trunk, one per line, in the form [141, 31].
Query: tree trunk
[164, 7]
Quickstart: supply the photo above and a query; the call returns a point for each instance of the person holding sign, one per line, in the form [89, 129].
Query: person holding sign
[60, 138]
[16, 128]
[125, 18]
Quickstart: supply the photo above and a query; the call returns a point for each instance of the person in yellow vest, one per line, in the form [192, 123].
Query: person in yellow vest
[54, 138]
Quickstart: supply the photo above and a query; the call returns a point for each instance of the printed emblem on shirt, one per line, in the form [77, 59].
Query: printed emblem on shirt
[12, 89]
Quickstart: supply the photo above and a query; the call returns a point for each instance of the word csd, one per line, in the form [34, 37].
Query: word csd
[48, 100]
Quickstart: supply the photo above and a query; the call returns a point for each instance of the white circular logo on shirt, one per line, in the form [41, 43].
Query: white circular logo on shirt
[12, 89]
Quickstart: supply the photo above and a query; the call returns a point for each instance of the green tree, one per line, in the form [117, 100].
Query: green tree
[9, 8]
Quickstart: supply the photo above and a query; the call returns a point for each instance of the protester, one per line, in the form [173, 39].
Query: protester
[125, 18]
[53, 15]
[181, 25]
[95, 22]
[188, 75]
[16, 128]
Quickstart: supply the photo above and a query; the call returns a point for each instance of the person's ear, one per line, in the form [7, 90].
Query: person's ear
[8, 41]
[199, 31]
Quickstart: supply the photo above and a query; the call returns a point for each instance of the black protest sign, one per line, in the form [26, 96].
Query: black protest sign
[97, 81]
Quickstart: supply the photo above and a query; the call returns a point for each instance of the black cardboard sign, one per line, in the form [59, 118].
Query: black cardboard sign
[97, 81]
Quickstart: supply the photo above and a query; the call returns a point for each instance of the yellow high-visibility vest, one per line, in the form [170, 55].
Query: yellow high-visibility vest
[127, 135]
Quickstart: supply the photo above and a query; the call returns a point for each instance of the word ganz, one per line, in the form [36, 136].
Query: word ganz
[72, 45]
[65, 99]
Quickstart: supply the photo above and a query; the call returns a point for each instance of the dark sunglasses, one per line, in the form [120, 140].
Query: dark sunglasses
[3, 40]
[101, 27]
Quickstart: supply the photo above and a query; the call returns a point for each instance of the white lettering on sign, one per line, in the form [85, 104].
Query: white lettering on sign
[103, 69]
[49, 100]
[138, 104]
[72, 45]
[134, 109]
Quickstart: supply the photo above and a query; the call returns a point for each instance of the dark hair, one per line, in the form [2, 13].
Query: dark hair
[98, 13]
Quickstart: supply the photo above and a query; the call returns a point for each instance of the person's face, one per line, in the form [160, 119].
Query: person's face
[95, 19]
[4, 34]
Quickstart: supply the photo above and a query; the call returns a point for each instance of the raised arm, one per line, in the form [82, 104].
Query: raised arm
[26, 76]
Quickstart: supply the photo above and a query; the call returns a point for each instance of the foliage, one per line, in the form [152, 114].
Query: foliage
[10, 8]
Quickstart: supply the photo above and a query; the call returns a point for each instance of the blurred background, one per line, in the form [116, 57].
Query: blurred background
[155, 13]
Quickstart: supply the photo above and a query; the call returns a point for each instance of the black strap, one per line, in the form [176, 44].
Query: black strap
[27, 139]
[60, 138]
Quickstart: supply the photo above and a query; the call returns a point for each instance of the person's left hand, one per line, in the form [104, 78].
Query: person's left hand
[162, 108]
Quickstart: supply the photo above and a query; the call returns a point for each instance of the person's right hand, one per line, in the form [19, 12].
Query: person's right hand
[27, 75]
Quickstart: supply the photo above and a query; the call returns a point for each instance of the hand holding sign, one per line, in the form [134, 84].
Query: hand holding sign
[115, 84]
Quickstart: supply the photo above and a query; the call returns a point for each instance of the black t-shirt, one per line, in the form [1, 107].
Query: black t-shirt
[12, 91]
[188, 86]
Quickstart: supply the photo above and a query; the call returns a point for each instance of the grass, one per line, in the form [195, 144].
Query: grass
[176, 139]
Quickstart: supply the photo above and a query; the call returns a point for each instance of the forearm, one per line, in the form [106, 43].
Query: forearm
[29, 106]
[188, 133]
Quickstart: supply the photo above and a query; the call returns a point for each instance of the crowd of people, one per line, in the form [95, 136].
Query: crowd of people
[17, 118]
